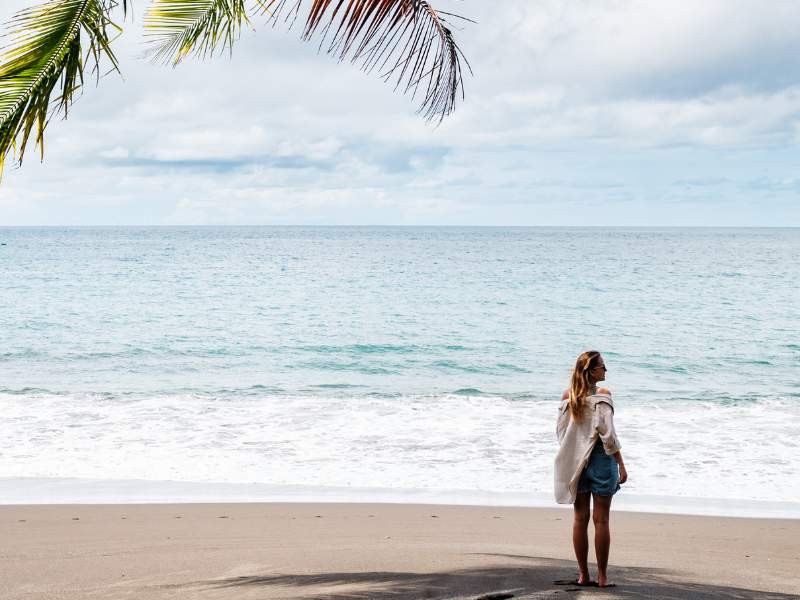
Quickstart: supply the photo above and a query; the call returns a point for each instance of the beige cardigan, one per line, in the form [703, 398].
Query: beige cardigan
[577, 438]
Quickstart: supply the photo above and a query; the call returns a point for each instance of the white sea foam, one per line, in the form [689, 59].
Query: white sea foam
[481, 444]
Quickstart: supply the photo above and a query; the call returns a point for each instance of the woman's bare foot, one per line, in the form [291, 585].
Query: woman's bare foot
[584, 579]
[602, 581]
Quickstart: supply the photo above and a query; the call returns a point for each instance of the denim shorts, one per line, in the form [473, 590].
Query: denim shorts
[601, 475]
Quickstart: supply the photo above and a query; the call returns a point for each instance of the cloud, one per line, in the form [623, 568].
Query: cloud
[574, 104]
[650, 48]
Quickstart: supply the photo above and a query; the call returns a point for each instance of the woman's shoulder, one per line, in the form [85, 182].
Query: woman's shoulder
[602, 397]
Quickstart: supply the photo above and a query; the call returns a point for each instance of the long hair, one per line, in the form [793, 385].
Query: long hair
[579, 384]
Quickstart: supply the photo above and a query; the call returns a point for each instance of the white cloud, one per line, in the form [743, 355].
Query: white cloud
[115, 152]
[648, 47]
[573, 102]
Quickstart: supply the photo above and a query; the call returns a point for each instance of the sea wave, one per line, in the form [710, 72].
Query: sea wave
[467, 439]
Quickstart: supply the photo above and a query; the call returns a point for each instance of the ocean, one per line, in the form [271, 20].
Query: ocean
[394, 362]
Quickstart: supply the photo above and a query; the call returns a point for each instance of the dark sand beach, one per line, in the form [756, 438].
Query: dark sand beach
[363, 551]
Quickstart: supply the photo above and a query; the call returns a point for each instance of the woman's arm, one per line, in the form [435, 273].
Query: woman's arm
[604, 423]
[608, 435]
[623, 474]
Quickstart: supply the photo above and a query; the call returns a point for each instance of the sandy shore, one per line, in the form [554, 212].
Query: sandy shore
[363, 551]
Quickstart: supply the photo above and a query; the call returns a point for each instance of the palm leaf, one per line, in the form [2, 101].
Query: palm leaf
[177, 28]
[406, 40]
[46, 48]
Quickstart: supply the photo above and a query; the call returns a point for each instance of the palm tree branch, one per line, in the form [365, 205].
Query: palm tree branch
[46, 49]
[178, 28]
[25, 59]
[410, 36]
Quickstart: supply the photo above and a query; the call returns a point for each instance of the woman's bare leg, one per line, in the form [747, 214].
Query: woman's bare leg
[580, 535]
[602, 535]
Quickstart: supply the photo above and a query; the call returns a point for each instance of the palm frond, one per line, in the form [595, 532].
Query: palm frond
[178, 28]
[46, 48]
[406, 40]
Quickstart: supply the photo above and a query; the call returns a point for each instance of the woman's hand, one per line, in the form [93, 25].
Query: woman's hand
[623, 474]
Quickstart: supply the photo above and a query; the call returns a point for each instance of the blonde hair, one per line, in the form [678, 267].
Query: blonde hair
[579, 385]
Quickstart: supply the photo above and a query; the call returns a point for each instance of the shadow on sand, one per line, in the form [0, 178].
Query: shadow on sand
[536, 578]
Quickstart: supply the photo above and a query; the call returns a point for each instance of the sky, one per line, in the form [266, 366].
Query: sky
[578, 112]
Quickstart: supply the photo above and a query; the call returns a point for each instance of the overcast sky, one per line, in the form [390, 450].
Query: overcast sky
[580, 112]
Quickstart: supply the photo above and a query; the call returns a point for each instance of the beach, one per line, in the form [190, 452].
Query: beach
[322, 347]
[355, 412]
[361, 551]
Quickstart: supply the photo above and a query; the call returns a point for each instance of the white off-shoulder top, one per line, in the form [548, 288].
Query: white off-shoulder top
[577, 438]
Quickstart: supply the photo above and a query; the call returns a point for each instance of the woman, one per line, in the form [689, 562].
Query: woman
[589, 462]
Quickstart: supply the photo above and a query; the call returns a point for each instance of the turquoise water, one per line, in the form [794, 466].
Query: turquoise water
[434, 354]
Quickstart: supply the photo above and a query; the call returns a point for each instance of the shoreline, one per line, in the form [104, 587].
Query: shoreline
[401, 551]
[68, 491]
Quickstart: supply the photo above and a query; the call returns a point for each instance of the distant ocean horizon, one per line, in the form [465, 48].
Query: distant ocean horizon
[398, 358]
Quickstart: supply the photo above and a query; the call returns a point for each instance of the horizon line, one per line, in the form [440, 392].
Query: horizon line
[299, 225]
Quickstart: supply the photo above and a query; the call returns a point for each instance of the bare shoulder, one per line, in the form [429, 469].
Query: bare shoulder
[604, 391]
[565, 395]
